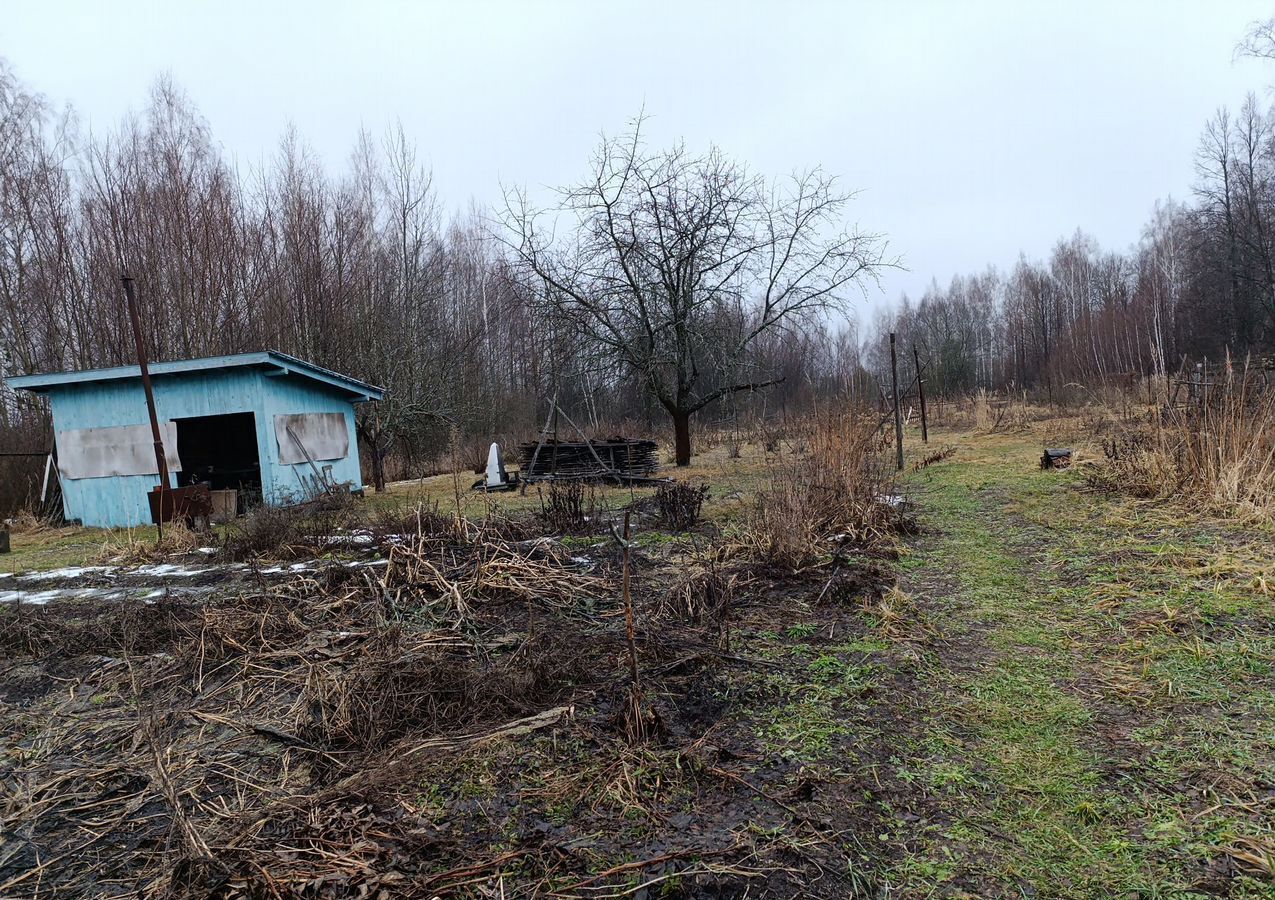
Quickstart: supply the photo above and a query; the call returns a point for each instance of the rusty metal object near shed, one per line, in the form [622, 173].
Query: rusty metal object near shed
[191, 504]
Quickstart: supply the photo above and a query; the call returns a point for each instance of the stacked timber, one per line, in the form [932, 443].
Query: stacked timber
[631, 460]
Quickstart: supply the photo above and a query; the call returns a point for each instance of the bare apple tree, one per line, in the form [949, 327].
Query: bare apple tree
[676, 265]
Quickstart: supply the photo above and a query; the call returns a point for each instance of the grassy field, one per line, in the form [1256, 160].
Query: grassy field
[733, 478]
[1096, 716]
[1066, 694]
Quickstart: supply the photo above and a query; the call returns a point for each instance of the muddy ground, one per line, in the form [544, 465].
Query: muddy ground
[1051, 691]
[453, 716]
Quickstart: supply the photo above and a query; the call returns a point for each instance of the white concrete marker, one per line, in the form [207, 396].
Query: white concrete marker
[495, 467]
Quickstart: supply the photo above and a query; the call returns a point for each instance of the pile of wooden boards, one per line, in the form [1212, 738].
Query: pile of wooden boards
[628, 460]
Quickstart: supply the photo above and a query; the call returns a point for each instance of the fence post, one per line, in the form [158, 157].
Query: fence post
[898, 411]
[920, 389]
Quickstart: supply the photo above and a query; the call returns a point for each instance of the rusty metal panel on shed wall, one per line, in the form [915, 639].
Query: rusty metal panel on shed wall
[324, 436]
[118, 450]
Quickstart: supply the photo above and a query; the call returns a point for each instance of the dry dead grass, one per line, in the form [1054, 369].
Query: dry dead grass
[899, 617]
[1219, 449]
[839, 492]
[198, 737]
[128, 548]
[25, 522]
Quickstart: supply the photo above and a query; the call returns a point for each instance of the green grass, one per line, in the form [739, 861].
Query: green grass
[731, 481]
[1092, 646]
[59, 547]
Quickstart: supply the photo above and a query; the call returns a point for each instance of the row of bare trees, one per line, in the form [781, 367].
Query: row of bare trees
[665, 284]
[1199, 283]
[358, 272]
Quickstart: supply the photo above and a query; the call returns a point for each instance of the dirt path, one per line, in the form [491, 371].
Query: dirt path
[1094, 719]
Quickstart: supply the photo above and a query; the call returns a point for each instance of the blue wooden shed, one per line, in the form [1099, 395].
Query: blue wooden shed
[267, 425]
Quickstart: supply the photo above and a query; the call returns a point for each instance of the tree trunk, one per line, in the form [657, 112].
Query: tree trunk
[378, 469]
[681, 437]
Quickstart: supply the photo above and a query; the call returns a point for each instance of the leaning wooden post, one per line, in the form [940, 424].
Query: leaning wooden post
[898, 411]
[629, 625]
[920, 389]
[161, 459]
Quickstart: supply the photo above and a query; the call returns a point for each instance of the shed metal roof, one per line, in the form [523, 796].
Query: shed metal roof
[279, 363]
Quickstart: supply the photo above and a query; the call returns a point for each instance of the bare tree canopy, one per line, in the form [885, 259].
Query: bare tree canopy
[1259, 40]
[675, 265]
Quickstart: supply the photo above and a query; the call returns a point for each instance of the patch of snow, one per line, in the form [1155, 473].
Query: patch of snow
[279, 570]
[161, 570]
[354, 537]
[68, 572]
[42, 597]
[208, 551]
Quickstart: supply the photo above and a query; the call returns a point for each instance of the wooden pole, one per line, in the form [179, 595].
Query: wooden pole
[161, 461]
[898, 411]
[920, 389]
[629, 626]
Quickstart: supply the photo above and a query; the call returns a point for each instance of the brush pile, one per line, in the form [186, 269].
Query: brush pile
[631, 460]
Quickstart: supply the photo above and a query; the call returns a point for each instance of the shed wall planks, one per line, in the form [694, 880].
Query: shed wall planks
[120, 500]
[288, 482]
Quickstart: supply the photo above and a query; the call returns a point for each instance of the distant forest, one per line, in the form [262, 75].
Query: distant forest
[1199, 283]
[363, 271]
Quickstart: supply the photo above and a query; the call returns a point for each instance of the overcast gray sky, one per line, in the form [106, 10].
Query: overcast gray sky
[974, 129]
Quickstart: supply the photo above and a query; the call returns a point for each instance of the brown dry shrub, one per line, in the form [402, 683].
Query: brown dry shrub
[704, 594]
[1218, 448]
[292, 532]
[129, 549]
[1135, 462]
[568, 506]
[680, 503]
[839, 492]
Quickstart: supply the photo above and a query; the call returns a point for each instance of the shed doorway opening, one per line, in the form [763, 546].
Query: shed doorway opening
[221, 451]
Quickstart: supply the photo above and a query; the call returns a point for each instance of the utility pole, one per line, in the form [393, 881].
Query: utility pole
[920, 389]
[161, 461]
[898, 412]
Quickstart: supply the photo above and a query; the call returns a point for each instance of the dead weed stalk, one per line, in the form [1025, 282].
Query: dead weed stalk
[1218, 448]
[838, 492]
